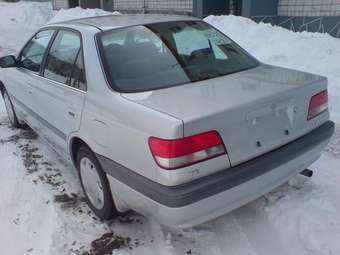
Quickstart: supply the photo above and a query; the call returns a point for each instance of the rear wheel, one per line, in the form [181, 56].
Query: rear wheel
[10, 110]
[95, 185]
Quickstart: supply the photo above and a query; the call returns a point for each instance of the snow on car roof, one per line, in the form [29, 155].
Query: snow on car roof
[114, 21]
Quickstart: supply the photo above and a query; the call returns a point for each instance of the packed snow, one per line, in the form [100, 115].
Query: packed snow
[41, 205]
[77, 13]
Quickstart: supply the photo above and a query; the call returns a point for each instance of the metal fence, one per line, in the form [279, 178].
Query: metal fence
[174, 6]
[308, 8]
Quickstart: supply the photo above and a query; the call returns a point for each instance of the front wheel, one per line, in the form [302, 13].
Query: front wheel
[10, 110]
[95, 185]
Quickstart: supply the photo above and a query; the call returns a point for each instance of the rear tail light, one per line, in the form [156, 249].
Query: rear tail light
[173, 154]
[318, 104]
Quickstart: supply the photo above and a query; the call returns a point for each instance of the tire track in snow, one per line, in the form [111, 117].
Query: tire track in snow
[259, 231]
[231, 239]
[246, 231]
[333, 148]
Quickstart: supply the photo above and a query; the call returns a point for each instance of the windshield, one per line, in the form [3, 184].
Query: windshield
[149, 57]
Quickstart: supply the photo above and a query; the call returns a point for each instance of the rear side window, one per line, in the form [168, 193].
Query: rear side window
[33, 54]
[63, 56]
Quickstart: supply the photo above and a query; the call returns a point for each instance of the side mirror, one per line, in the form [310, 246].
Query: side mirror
[8, 61]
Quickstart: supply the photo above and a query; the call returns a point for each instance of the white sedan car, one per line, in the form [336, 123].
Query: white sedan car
[165, 115]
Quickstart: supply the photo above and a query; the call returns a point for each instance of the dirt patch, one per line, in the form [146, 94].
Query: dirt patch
[33, 160]
[29, 158]
[109, 242]
[68, 201]
[106, 245]
[24, 134]
[126, 219]
[28, 154]
[54, 179]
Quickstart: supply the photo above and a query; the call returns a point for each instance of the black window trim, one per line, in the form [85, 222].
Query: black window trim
[110, 81]
[43, 65]
[47, 48]
[74, 67]
[56, 30]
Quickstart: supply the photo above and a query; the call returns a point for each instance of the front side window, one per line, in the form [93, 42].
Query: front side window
[33, 54]
[155, 56]
[62, 57]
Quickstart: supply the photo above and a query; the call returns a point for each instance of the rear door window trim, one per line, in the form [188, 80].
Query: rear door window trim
[43, 66]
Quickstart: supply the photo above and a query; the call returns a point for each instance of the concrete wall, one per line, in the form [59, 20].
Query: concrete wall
[298, 15]
[310, 8]
[254, 8]
[203, 8]
[324, 24]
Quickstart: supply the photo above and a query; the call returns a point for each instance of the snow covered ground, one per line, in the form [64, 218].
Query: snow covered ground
[41, 204]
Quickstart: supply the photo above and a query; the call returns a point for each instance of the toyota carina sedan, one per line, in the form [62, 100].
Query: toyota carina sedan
[165, 115]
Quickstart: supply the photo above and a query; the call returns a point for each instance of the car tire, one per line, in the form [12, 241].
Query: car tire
[13, 119]
[95, 185]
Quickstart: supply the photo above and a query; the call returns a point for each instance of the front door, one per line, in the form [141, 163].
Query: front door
[20, 81]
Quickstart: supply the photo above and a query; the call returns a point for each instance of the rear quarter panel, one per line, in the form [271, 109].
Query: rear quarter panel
[119, 130]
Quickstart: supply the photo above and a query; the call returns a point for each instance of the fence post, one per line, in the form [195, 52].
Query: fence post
[144, 6]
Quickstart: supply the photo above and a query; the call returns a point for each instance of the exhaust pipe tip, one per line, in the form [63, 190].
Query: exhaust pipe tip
[307, 172]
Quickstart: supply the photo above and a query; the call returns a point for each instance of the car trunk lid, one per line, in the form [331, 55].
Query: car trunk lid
[254, 111]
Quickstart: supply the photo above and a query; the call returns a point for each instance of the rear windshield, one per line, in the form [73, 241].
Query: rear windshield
[156, 56]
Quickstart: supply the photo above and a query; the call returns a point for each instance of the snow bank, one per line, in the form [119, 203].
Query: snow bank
[311, 52]
[77, 13]
[29, 15]
[18, 21]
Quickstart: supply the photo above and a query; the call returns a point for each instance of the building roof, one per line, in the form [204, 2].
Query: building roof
[116, 21]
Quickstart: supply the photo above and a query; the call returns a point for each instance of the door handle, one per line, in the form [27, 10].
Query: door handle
[72, 114]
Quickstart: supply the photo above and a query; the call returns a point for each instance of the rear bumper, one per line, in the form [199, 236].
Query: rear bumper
[214, 195]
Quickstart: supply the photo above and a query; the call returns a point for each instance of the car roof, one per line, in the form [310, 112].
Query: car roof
[117, 20]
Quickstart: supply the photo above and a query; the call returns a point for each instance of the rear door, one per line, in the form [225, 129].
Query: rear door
[60, 92]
